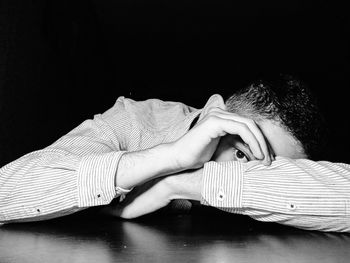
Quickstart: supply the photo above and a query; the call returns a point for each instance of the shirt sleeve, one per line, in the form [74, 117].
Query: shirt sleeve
[300, 193]
[75, 172]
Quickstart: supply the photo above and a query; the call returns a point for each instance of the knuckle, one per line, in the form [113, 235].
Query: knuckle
[244, 127]
[212, 111]
[251, 122]
[213, 118]
[218, 109]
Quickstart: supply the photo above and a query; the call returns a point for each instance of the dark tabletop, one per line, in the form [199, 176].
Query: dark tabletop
[207, 237]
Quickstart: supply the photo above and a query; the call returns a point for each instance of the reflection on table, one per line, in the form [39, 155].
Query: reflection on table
[173, 238]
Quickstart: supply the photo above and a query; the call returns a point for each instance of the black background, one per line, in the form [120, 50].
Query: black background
[63, 61]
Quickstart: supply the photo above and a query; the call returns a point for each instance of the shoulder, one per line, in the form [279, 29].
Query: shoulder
[152, 112]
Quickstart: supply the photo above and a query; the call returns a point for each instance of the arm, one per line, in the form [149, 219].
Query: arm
[300, 193]
[82, 168]
[66, 176]
[77, 171]
[192, 150]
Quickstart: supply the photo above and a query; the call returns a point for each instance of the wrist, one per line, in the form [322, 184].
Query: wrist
[169, 155]
[135, 168]
[185, 185]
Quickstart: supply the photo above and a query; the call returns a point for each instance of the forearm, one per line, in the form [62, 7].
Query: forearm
[156, 194]
[51, 183]
[300, 193]
[138, 167]
[35, 186]
[185, 185]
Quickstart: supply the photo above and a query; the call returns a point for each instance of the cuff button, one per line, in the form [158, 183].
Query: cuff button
[221, 196]
[291, 206]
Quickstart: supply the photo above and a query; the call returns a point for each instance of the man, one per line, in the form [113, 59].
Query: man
[137, 142]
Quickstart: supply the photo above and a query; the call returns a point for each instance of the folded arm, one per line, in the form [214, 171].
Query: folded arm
[300, 193]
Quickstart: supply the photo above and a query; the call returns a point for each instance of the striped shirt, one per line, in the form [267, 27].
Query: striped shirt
[78, 171]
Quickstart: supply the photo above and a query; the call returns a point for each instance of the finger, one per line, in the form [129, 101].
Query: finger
[232, 124]
[237, 128]
[254, 128]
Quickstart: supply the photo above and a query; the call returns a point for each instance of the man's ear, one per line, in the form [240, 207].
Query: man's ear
[214, 101]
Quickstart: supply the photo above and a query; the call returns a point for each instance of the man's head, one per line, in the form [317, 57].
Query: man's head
[286, 112]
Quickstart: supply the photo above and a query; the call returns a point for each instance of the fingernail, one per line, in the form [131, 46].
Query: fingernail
[262, 156]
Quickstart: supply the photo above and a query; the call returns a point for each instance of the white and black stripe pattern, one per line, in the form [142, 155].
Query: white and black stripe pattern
[300, 193]
[78, 171]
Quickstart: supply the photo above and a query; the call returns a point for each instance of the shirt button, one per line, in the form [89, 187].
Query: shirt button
[98, 194]
[221, 195]
[291, 206]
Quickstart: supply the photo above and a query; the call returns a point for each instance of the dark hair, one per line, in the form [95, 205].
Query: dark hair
[288, 101]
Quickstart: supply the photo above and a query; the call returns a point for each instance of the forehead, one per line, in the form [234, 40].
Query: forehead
[281, 141]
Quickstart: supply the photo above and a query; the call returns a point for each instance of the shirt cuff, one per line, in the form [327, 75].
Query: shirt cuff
[96, 179]
[222, 184]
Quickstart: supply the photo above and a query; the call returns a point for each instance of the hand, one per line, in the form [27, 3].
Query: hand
[199, 144]
[157, 194]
